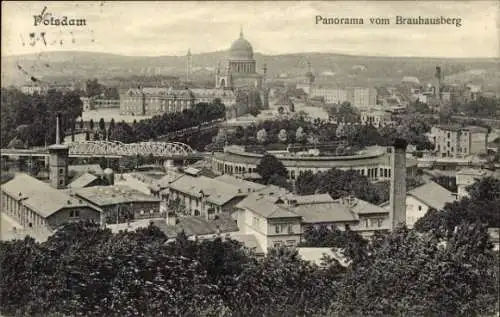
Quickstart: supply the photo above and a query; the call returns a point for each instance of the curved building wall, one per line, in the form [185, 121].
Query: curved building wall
[376, 166]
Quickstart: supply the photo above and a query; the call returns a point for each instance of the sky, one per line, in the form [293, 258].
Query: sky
[171, 28]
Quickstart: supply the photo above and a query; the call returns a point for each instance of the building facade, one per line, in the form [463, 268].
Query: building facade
[375, 164]
[280, 218]
[41, 208]
[239, 70]
[119, 203]
[359, 97]
[458, 142]
[154, 101]
[90, 104]
[376, 118]
[203, 196]
[227, 97]
[423, 198]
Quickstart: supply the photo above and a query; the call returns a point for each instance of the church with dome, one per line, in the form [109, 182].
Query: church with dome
[238, 73]
[239, 70]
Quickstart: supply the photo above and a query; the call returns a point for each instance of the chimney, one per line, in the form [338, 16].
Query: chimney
[438, 83]
[397, 211]
[58, 132]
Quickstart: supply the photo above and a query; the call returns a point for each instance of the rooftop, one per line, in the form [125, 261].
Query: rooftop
[432, 195]
[113, 195]
[39, 196]
[243, 185]
[199, 226]
[83, 181]
[216, 192]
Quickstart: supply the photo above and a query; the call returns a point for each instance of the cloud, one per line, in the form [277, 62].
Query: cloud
[170, 28]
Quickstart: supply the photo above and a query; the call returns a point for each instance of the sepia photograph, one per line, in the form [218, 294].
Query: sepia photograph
[250, 159]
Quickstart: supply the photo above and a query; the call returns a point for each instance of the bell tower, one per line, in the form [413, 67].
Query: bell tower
[58, 161]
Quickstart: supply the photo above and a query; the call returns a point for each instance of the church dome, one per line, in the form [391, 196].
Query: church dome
[241, 49]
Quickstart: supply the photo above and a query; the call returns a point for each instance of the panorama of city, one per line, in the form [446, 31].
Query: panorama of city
[238, 183]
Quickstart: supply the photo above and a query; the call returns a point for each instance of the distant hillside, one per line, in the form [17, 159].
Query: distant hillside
[347, 69]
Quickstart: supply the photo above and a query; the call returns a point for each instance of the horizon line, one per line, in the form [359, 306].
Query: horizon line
[255, 53]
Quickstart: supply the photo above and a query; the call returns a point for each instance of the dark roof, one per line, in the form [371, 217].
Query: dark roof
[83, 181]
[113, 195]
[199, 226]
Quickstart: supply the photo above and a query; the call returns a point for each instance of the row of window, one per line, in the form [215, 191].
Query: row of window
[288, 243]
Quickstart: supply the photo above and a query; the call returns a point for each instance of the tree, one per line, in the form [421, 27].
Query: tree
[123, 133]
[283, 135]
[408, 274]
[91, 124]
[482, 206]
[270, 165]
[102, 125]
[262, 136]
[93, 88]
[300, 135]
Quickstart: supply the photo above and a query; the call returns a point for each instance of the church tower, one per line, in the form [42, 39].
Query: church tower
[58, 161]
[189, 65]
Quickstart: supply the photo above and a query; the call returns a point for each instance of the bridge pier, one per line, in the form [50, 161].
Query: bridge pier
[168, 164]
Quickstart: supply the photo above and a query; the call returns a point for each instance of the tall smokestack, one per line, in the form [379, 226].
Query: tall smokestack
[438, 83]
[398, 183]
[58, 132]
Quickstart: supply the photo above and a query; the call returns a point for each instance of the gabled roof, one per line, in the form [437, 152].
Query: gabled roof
[433, 195]
[215, 191]
[113, 195]
[39, 196]
[245, 186]
[264, 207]
[324, 212]
[83, 181]
[199, 226]
[362, 207]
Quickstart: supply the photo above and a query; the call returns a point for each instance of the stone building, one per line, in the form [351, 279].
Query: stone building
[153, 101]
[239, 73]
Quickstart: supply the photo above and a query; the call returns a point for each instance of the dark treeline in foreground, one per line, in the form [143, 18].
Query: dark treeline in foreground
[84, 270]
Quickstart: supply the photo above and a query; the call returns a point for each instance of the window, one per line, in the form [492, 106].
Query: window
[61, 182]
[277, 228]
[277, 243]
[449, 135]
[290, 229]
[61, 171]
[419, 208]
[367, 224]
[290, 243]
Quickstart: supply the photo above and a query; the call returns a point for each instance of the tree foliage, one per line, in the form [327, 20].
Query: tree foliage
[270, 166]
[339, 183]
[36, 114]
[85, 270]
[482, 206]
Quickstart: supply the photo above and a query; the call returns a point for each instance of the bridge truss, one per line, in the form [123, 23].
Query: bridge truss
[157, 149]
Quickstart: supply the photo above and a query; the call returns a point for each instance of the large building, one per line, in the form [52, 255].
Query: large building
[154, 101]
[95, 103]
[227, 97]
[118, 203]
[203, 196]
[374, 162]
[359, 97]
[41, 207]
[239, 70]
[376, 117]
[458, 141]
